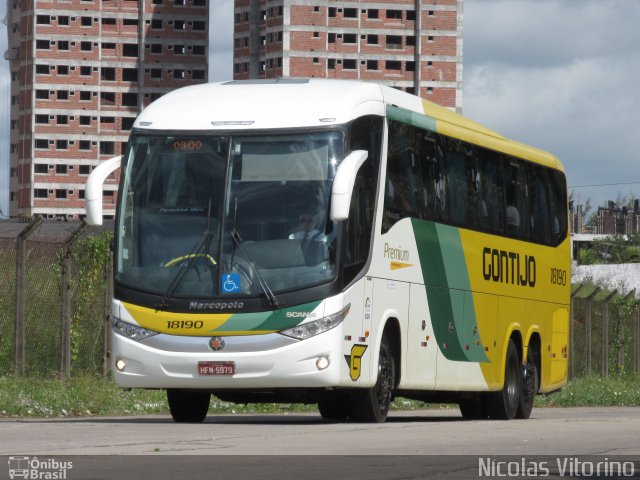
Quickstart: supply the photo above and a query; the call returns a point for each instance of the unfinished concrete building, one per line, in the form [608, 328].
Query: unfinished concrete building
[413, 45]
[621, 220]
[81, 71]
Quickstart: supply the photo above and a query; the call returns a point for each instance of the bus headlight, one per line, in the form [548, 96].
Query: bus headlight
[310, 329]
[133, 332]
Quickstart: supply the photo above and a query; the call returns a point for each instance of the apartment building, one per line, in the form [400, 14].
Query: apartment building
[413, 45]
[81, 71]
[614, 219]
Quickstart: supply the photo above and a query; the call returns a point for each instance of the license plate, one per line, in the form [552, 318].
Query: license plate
[216, 368]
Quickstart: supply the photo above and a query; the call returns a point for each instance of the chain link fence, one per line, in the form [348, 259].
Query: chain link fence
[605, 331]
[7, 302]
[55, 289]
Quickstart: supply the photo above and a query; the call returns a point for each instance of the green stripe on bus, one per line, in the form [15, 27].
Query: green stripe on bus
[456, 266]
[262, 321]
[458, 279]
[439, 298]
[242, 322]
[411, 118]
[448, 291]
[278, 319]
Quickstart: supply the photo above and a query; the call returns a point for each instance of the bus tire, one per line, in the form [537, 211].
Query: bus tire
[503, 404]
[188, 406]
[473, 408]
[334, 407]
[371, 405]
[530, 383]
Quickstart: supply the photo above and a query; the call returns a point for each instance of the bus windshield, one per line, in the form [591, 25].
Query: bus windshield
[220, 216]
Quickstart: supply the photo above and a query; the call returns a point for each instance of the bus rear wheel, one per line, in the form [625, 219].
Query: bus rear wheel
[504, 404]
[372, 404]
[188, 406]
[530, 385]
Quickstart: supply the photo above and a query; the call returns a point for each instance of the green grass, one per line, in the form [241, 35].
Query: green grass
[595, 391]
[92, 395]
[31, 397]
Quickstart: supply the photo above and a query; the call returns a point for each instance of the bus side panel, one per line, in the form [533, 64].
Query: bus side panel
[555, 350]
[373, 302]
[420, 360]
[510, 314]
[528, 297]
[390, 300]
[354, 369]
[488, 329]
[459, 375]
[479, 290]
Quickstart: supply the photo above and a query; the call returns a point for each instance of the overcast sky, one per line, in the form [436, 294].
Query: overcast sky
[561, 75]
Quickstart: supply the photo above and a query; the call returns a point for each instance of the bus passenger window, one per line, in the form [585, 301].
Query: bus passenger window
[558, 199]
[490, 192]
[403, 186]
[512, 213]
[433, 176]
[540, 221]
[517, 211]
[462, 186]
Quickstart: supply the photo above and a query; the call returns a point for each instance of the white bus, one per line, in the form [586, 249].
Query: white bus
[334, 242]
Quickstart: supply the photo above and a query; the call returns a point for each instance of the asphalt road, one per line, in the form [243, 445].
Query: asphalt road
[550, 431]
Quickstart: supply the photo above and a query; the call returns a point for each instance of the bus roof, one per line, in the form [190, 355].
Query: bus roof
[290, 103]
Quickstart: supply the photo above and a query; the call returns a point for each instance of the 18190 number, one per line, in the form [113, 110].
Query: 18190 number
[174, 324]
[558, 276]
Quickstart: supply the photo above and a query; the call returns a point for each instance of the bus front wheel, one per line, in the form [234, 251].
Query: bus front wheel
[504, 403]
[372, 404]
[188, 406]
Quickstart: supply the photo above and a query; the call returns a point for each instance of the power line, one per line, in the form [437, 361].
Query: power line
[604, 184]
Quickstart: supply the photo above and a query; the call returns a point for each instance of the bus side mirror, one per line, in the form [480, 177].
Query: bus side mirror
[93, 192]
[343, 184]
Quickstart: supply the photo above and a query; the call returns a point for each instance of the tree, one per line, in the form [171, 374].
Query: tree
[614, 249]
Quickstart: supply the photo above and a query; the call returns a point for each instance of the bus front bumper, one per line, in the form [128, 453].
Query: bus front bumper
[259, 361]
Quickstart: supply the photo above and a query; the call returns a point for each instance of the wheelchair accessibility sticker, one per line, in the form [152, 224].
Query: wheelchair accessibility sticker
[230, 282]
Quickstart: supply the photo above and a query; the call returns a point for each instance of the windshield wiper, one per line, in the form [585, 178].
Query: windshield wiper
[178, 279]
[237, 242]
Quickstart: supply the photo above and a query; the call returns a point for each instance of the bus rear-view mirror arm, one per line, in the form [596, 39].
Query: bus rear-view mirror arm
[343, 184]
[93, 193]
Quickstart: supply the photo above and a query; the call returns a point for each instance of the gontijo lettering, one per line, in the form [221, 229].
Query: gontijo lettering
[508, 267]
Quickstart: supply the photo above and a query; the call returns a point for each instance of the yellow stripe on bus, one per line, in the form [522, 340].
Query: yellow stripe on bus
[453, 125]
[177, 323]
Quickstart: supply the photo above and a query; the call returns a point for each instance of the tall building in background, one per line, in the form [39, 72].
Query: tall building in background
[413, 45]
[81, 71]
